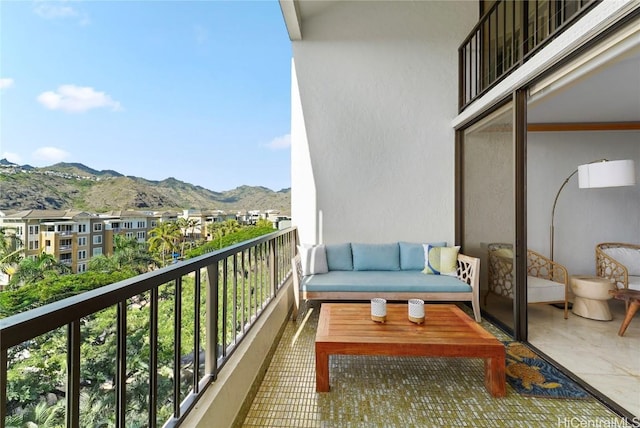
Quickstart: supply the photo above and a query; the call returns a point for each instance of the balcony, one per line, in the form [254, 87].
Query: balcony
[235, 384]
[398, 392]
[506, 37]
[229, 293]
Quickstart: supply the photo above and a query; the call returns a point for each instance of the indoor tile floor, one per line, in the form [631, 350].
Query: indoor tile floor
[399, 392]
[591, 349]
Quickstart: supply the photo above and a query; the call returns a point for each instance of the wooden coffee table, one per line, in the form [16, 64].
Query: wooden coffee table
[347, 329]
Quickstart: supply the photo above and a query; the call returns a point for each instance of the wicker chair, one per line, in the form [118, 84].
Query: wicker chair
[548, 281]
[607, 266]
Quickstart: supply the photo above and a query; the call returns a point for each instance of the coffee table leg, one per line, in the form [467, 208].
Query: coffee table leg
[494, 376]
[322, 371]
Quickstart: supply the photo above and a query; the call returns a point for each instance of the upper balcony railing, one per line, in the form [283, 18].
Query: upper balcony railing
[506, 36]
[194, 314]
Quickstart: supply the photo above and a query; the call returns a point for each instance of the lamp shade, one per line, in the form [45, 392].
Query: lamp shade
[607, 174]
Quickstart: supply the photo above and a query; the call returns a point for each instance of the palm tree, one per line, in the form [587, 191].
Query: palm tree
[192, 223]
[40, 415]
[220, 230]
[32, 270]
[127, 252]
[263, 222]
[11, 251]
[231, 226]
[187, 227]
[164, 239]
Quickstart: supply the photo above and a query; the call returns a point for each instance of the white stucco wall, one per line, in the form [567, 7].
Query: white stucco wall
[584, 217]
[374, 94]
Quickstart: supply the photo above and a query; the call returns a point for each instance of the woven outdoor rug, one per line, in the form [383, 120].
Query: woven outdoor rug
[530, 375]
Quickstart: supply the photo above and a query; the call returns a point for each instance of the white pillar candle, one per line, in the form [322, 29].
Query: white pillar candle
[378, 309]
[416, 311]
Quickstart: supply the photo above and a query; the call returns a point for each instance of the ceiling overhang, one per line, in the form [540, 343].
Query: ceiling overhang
[293, 21]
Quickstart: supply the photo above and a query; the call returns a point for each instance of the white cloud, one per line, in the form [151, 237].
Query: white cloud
[49, 9]
[5, 82]
[279, 143]
[50, 154]
[74, 98]
[12, 157]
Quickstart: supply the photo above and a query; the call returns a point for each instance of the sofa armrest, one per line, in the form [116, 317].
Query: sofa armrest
[296, 268]
[469, 271]
[610, 268]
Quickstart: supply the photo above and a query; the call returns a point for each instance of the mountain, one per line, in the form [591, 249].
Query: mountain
[76, 186]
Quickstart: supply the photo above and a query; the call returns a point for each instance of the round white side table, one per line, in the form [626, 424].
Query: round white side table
[591, 297]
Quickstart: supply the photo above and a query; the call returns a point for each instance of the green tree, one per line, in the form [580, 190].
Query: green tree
[263, 222]
[11, 252]
[30, 270]
[164, 239]
[220, 230]
[187, 227]
[127, 253]
[38, 415]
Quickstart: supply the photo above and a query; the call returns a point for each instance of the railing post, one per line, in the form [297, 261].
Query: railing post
[196, 333]
[121, 364]
[273, 269]
[73, 374]
[462, 77]
[3, 386]
[211, 322]
[525, 30]
[153, 359]
[177, 345]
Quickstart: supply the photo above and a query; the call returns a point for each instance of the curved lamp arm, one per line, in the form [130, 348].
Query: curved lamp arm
[555, 201]
[553, 211]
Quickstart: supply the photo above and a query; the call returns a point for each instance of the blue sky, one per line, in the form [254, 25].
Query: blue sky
[196, 90]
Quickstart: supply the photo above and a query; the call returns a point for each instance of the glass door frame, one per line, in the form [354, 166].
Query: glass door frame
[518, 102]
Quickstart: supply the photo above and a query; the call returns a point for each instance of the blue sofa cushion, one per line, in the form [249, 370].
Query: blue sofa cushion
[408, 281]
[376, 256]
[412, 255]
[339, 256]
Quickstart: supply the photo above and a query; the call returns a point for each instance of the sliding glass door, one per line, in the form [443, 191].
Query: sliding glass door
[487, 208]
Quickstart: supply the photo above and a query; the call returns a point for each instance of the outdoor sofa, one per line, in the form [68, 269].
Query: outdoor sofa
[393, 271]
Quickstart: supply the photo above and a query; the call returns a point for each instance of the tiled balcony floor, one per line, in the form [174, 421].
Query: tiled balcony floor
[399, 392]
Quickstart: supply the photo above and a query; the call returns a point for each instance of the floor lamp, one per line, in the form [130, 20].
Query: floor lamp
[599, 173]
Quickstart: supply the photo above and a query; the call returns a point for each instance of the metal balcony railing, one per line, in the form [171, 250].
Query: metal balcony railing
[226, 291]
[506, 36]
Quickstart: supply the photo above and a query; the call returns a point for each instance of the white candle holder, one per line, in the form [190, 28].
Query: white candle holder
[416, 311]
[378, 309]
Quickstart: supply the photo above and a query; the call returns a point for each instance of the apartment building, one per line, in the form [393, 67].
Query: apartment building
[73, 237]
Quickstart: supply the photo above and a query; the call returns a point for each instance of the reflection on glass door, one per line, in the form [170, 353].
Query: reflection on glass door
[488, 209]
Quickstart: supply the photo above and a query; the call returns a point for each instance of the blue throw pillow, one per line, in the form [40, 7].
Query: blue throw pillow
[339, 257]
[376, 256]
[412, 254]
